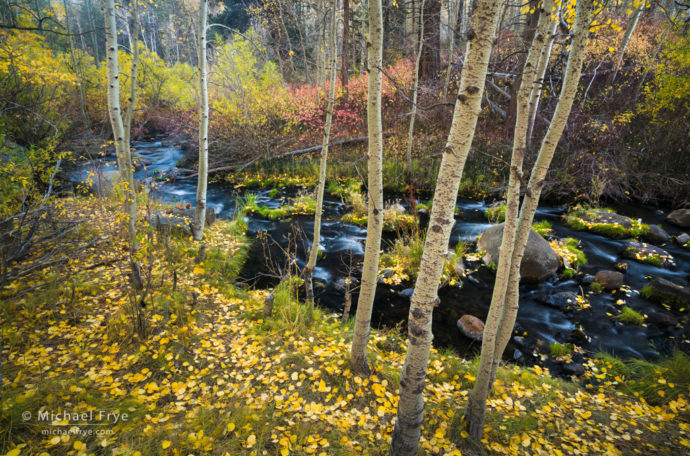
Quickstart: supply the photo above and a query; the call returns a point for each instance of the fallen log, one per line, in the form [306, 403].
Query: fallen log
[292, 153]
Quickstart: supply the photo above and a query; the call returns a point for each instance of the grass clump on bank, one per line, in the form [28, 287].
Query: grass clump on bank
[394, 218]
[631, 316]
[401, 263]
[606, 222]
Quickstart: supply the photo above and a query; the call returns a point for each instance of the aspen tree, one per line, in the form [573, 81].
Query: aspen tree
[632, 25]
[453, 7]
[542, 67]
[407, 431]
[497, 334]
[134, 73]
[477, 400]
[413, 114]
[365, 304]
[314, 251]
[202, 183]
[122, 151]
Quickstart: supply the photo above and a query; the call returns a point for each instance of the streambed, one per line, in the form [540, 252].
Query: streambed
[538, 325]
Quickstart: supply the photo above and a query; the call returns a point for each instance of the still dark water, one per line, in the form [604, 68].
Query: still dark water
[539, 324]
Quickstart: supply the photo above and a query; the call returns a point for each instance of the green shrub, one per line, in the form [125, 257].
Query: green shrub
[557, 350]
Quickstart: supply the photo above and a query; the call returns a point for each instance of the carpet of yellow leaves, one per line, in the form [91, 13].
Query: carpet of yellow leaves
[214, 377]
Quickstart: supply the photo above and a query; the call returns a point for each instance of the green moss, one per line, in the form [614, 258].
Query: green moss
[595, 287]
[629, 315]
[568, 273]
[274, 192]
[302, 205]
[557, 350]
[652, 294]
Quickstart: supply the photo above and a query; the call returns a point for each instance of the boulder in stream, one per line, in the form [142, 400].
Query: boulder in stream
[647, 253]
[471, 327]
[683, 239]
[610, 280]
[539, 263]
[664, 291]
[656, 235]
[564, 300]
[680, 217]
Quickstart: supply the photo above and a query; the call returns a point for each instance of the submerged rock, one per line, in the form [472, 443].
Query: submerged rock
[540, 260]
[680, 217]
[647, 253]
[682, 239]
[610, 280]
[471, 327]
[661, 319]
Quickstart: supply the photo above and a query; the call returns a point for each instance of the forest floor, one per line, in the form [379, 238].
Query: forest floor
[204, 372]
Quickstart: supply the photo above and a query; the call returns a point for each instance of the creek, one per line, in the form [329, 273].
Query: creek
[537, 325]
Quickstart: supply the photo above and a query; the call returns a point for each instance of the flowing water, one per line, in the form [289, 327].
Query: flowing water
[343, 248]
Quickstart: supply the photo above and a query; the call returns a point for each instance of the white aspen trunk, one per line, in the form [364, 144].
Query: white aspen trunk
[476, 406]
[115, 113]
[134, 74]
[571, 79]
[365, 304]
[543, 65]
[314, 251]
[202, 183]
[413, 114]
[626, 38]
[425, 297]
[453, 6]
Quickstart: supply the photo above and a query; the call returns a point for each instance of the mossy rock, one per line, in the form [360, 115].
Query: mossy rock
[605, 222]
[666, 292]
[647, 253]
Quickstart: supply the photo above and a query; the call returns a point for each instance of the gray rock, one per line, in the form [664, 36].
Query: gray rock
[656, 235]
[563, 300]
[639, 251]
[587, 279]
[189, 214]
[471, 326]
[539, 262]
[680, 217]
[610, 280]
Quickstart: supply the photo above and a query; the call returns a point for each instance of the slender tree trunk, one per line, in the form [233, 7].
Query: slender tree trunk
[425, 296]
[358, 352]
[542, 67]
[121, 147]
[476, 407]
[571, 79]
[202, 183]
[413, 113]
[133, 77]
[344, 67]
[314, 250]
[466, 5]
[453, 6]
[632, 25]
